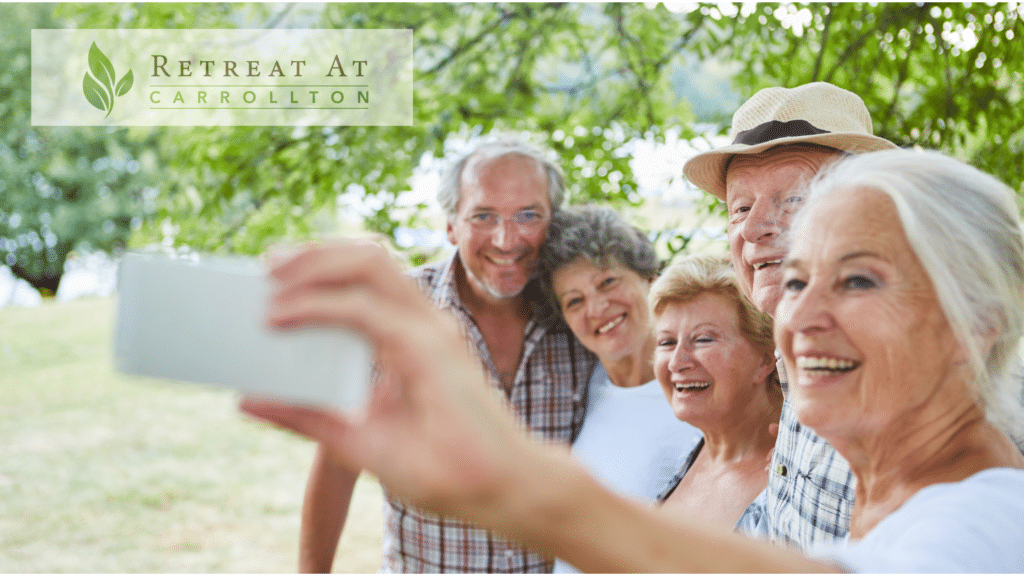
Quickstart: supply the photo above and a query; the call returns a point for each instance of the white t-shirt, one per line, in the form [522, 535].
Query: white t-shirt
[972, 526]
[631, 441]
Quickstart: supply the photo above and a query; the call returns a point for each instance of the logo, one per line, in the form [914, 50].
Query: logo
[238, 77]
[99, 86]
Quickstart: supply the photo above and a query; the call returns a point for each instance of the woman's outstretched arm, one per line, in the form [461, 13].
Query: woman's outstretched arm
[437, 436]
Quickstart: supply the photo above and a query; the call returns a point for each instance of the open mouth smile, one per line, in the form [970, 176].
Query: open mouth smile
[611, 324]
[504, 261]
[762, 265]
[822, 365]
[692, 386]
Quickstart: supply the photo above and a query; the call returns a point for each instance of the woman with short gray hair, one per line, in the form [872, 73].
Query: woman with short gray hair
[596, 270]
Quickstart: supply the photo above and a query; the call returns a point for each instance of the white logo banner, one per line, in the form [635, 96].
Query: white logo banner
[222, 77]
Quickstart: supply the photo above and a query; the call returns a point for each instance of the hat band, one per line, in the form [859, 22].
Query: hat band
[773, 130]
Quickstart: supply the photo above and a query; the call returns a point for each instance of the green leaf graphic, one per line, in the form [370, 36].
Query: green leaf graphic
[125, 84]
[101, 68]
[95, 94]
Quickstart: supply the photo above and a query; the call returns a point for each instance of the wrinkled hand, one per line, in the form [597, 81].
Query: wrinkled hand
[436, 436]
[433, 433]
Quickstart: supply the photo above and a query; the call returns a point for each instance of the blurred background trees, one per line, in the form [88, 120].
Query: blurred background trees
[584, 80]
[61, 189]
[945, 76]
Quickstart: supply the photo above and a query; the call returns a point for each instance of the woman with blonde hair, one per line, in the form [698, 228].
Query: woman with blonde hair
[714, 358]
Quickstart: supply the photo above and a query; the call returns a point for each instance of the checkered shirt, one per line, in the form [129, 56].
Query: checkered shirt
[810, 486]
[549, 397]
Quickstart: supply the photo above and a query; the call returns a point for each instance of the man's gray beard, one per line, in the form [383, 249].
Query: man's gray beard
[491, 291]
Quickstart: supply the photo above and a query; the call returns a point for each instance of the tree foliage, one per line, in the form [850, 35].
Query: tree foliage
[945, 76]
[60, 188]
[551, 71]
[582, 80]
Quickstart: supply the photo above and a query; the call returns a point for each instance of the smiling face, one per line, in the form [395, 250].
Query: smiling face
[862, 332]
[710, 373]
[502, 218]
[763, 191]
[605, 308]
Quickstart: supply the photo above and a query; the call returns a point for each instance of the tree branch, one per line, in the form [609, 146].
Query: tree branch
[902, 77]
[827, 24]
[883, 24]
[637, 68]
[277, 19]
[464, 47]
[682, 43]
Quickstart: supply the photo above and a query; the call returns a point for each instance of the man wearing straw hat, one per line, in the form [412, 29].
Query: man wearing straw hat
[782, 138]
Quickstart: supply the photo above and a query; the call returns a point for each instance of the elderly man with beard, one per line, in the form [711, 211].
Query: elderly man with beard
[499, 199]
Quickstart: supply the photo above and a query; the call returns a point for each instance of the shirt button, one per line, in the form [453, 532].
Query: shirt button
[781, 470]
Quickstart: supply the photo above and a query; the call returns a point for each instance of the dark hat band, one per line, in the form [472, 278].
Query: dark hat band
[773, 130]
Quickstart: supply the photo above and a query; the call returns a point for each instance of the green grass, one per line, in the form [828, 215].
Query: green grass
[101, 472]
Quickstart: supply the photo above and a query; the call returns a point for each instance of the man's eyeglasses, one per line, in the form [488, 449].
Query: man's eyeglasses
[524, 220]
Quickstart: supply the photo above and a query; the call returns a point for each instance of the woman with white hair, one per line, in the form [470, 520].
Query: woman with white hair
[903, 306]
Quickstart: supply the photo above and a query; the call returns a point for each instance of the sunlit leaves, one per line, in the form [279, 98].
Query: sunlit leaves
[71, 188]
[932, 75]
[480, 68]
[580, 79]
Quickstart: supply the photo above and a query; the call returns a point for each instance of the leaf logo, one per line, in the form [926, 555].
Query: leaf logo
[99, 86]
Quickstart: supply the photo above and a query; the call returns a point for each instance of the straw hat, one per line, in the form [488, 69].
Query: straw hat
[817, 113]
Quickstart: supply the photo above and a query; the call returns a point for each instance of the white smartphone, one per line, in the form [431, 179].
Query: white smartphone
[203, 320]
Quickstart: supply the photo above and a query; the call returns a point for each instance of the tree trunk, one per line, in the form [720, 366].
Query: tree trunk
[45, 283]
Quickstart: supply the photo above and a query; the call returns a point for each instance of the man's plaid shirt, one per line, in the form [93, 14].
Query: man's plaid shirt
[549, 397]
[810, 486]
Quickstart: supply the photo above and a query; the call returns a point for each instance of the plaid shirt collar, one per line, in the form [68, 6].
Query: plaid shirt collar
[444, 292]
